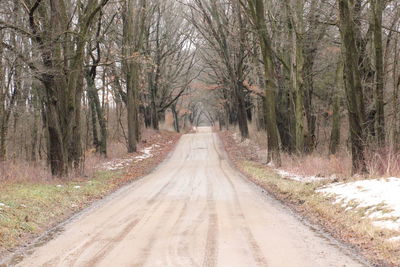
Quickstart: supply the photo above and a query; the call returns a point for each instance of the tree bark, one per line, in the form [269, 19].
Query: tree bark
[353, 86]
[133, 33]
[395, 133]
[258, 17]
[176, 117]
[377, 10]
[335, 132]
[241, 112]
[2, 104]
[295, 18]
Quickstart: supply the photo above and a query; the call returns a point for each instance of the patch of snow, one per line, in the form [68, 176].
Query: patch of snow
[394, 239]
[77, 186]
[119, 164]
[236, 137]
[4, 205]
[299, 178]
[390, 225]
[147, 153]
[380, 198]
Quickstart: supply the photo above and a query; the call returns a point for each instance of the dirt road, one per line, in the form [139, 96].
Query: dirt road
[194, 210]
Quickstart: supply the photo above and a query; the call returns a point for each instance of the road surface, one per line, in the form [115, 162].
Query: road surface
[193, 210]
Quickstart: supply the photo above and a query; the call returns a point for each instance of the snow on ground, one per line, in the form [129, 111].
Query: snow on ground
[2, 205]
[300, 178]
[380, 198]
[118, 164]
[146, 153]
[394, 239]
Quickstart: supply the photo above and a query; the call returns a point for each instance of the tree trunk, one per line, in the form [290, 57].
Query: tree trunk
[36, 135]
[176, 117]
[57, 156]
[377, 10]
[258, 16]
[241, 112]
[97, 115]
[154, 115]
[296, 71]
[2, 105]
[132, 109]
[353, 86]
[395, 133]
[133, 33]
[76, 154]
[95, 135]
[335, 132]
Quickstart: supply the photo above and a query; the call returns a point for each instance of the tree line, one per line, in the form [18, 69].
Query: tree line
[75, 74]
[297, 67]
[73, 70]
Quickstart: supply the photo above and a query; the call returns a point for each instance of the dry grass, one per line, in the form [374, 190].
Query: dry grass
[116, 150]
[258, 137]
[317, 165]
[23, 171]
[16, 171]
[381, 162]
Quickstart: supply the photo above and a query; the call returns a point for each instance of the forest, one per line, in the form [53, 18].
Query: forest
[318, 77]
[200, 133]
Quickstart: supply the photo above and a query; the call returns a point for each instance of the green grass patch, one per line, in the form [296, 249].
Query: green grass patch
[29, 208]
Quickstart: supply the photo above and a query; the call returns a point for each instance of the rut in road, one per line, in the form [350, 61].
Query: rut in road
[193, 210]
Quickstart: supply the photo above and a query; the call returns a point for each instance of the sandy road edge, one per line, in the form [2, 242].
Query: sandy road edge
[283, 204]
[20, 252]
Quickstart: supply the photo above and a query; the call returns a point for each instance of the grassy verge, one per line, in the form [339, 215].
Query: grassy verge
[30, 208]
[349, 227]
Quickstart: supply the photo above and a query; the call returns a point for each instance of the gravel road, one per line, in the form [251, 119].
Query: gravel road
[193, 210]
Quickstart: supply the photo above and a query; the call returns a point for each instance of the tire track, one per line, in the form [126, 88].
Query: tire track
[169, 210]
[210, 257]
[137, 213]
[254, 247]
[155, 201]
[181, 250]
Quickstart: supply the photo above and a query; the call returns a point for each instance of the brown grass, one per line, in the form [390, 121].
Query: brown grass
[384, 163]
[23, 171]
[381, 162]
[317, 165]
[16, 171]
